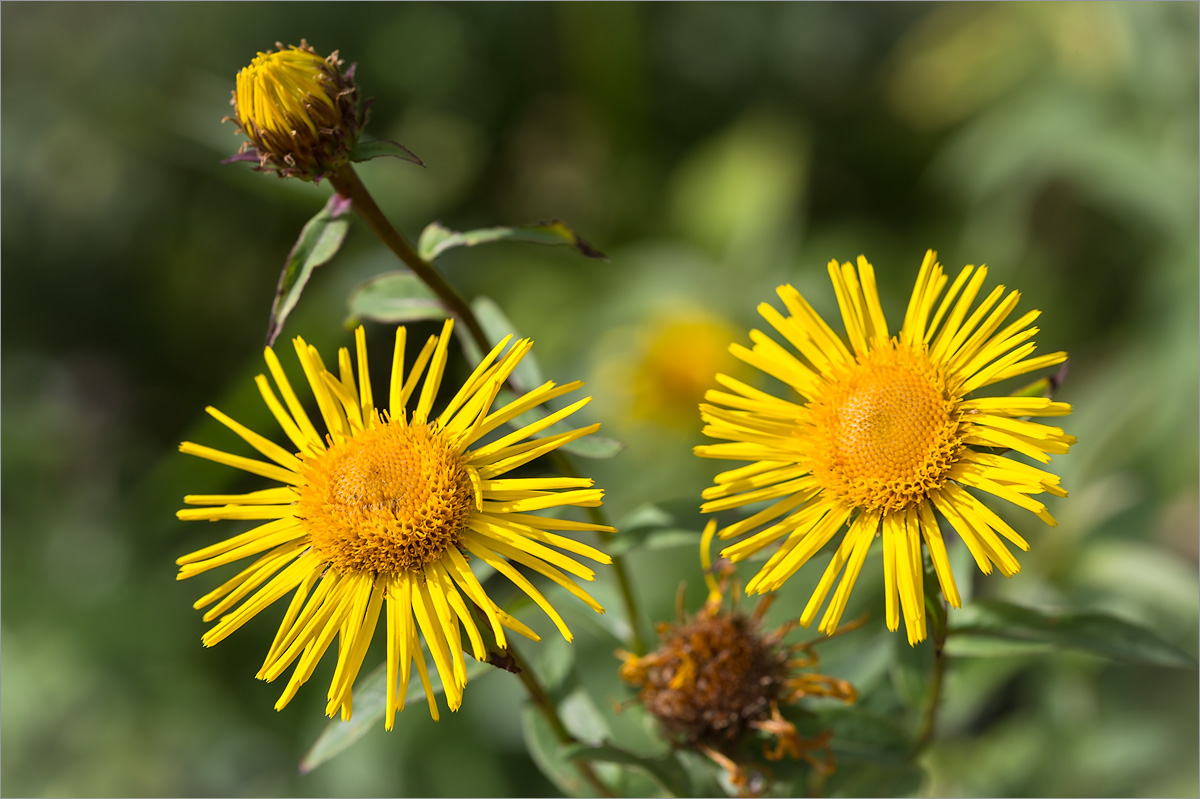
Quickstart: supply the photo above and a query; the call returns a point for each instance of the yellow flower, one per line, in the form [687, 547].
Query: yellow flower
[382, 515]
[885, 432]
[299, 110]
[680, 352]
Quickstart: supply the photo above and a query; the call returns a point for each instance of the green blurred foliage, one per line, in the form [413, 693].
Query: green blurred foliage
[712, 151]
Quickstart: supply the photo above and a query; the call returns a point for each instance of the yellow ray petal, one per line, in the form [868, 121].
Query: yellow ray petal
[289, 396]
[396, 384]
[502, 566]
[261, 468]
[267, 447]
[937, 553]
[433, 380]
[364, 376]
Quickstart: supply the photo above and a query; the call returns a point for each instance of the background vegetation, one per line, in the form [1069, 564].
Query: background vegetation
[712, 151]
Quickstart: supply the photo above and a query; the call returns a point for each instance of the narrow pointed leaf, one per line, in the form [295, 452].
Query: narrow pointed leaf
[666, 771]
[319, 241]
[393, 298]
[978, 627]
[910, 670]
[436, 238]
[547, 752]
[643, 541]
[366, 150]
[863, 736]
[370, 702]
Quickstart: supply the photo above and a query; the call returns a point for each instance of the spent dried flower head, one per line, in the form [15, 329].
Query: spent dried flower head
[718, 679]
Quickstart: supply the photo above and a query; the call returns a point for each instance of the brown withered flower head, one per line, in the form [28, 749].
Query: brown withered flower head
[717, 678]
[299, 110]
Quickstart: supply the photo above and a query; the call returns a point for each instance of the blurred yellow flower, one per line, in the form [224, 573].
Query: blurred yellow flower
[884, 434]
[657, 371]
[299, 110]
[382, 514]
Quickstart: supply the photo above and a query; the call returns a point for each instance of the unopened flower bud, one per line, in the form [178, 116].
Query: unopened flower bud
[300, 112]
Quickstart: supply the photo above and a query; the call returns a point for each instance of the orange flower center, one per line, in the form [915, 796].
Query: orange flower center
[884, 432]
[390, 499]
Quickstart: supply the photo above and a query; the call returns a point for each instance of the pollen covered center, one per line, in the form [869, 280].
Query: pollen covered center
[884, 434]
[390, 499]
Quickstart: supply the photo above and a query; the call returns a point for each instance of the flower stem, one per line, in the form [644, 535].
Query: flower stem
[545, 705]
[936, 681]
[347, 183]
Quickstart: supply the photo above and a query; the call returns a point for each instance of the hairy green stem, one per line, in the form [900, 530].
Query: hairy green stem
[545, 705]
[347, 183]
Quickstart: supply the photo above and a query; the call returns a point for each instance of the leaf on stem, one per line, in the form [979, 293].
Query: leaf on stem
[998, 629]
[666, 771]
[547, 752]
[319, 241]
[864, 736]
[662, 525]
[370, 702]
[393, 298]
[872, 751]
[436, 238]
[366, 150]
[910, 670]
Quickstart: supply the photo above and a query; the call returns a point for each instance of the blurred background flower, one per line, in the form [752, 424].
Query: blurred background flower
[713, 151]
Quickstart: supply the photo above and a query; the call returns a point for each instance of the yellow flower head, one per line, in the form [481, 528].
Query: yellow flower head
[299, 110]
[381, 516]
[885, 432]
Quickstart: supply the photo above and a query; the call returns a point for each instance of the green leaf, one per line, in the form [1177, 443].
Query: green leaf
[702, 774]
[370, 703]
[583, 718]
[964, 569]
[666, 771]
[875, 780]
[647, 517]
[863, 736]
[393, 298]
[662, 525]
[436, 238]
[547, 752]
[553, 662]
[980, 646]
[366, 150]
[983, 623]
[657, 539]
[910, 670]
[319, 240]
